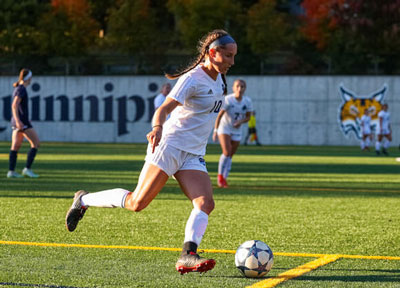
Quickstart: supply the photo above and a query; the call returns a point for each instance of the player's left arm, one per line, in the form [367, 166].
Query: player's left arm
[244, 120]
[160, 115]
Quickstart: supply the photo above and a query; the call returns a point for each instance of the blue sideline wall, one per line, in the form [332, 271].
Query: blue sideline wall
[290, 110]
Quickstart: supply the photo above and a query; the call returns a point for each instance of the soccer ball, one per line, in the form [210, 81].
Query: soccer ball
[254, 258]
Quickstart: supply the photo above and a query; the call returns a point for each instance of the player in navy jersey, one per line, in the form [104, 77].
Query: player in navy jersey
[22, 127]
[235, 111]
[177, 147]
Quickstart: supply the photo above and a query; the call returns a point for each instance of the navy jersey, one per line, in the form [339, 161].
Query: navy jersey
[20, 91]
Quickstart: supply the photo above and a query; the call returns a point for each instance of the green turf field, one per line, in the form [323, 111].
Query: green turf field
[301, 200]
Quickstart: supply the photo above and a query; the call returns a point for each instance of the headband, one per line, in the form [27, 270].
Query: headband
[226, 39]
[28, 76]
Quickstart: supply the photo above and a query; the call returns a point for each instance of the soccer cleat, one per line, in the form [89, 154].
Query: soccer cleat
[192, 262]
[384, 151]
[377, 152]
[221, 182]
[225, 184]
[76, 212]
[29, 173]
[13, 174]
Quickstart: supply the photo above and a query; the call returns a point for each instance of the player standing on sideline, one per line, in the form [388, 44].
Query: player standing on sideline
[235, 111]
[252, 131]
[22, 127]
[365, 130]
[177, 147]
[159, 100]
[384, 131]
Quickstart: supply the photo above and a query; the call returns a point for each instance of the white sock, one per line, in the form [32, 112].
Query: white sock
[377, 146]
[386, 144]
[196, 226]
[107, 199]
[362, 144]
[228, 166]
[222, 164]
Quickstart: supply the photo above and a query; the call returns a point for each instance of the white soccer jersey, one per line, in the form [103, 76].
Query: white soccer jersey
[366, 124]
[235, 110]
[385, 116]
[191, 123]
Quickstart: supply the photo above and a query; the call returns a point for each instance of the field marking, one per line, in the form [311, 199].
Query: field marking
[44, 244]
[296, 272]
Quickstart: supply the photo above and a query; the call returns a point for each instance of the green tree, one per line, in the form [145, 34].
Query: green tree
[18, 26]
[67, 29]
[133, 27]
[267, 29]
[195, 18]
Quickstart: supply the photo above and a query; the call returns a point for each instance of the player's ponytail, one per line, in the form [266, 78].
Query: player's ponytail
[203, 48]
[24, 75]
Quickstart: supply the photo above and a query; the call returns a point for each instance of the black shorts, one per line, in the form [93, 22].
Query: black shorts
[26, 126]
[252, 130]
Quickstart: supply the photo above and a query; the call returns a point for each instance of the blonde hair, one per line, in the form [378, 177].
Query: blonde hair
[203, 49]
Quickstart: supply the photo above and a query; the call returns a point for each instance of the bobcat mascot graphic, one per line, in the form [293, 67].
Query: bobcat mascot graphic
[352, 109]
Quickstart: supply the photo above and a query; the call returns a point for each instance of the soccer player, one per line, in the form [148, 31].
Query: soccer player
[385, 131]
[177, 148]
[22, 127]
[235, 111]
[160, 98]
[365, 130]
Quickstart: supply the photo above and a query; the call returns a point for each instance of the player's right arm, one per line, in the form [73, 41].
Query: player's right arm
[217, 121]
[160, 115]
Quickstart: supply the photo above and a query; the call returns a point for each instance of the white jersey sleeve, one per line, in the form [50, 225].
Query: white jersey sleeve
[191, 123]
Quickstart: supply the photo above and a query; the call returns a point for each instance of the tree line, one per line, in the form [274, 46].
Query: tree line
[154, 36]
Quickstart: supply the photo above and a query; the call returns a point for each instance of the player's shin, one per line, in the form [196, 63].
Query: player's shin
[107, 199]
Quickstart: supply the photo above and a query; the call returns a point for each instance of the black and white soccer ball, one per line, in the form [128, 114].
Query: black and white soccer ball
[254, 258]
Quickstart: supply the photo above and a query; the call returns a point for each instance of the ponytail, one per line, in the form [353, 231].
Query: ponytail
[22, 74]
[203, 48]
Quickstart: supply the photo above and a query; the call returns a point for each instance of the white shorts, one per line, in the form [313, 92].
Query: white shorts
[171, 160]
[384, 131]
[236, 134]
[366, 131]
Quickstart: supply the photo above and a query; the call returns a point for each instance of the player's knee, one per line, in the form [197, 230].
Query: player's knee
[206, 204]
[15, 147]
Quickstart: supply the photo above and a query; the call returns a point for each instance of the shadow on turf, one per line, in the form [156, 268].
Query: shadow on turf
[34, 285]
[124, 166]
[297, 150]
[20, 190]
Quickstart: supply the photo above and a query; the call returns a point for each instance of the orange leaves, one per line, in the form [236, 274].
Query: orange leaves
[73, 8]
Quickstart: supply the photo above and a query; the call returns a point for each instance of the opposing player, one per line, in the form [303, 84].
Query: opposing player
[235, 111]
[22, 127]
[385, 131]
[177, 148]
[365, 130]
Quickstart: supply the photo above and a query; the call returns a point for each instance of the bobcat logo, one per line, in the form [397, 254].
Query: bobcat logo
[353, 107]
